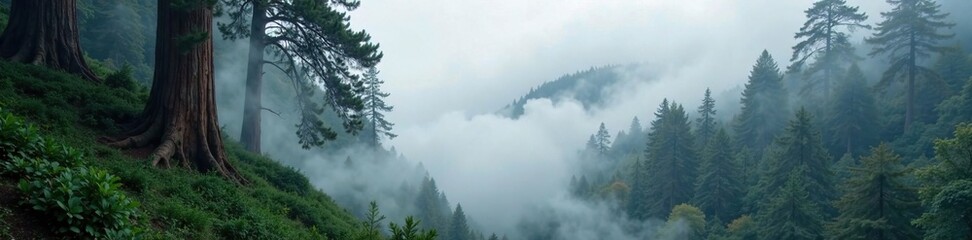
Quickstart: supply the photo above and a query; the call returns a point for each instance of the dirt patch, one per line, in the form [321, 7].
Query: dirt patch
[17, 222]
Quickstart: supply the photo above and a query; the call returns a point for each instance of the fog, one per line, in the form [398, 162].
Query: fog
[450, 65]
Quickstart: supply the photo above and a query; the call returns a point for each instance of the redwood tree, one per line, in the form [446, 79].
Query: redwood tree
[45, 32]
[179, 120]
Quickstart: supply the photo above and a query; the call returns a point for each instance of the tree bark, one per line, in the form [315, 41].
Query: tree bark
[179, 121]
[252, 104]
[45, 32]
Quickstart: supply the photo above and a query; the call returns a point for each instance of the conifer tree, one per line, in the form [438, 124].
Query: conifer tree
[706, 123]
[602, 140]
[853, 114]
[459, 229]
[764, 106]
[946, 191]
[791, 213]
[718, 190]
[954, 67]
[638, 196]
[312, 42]
[823, 39]
[876, 203]
[908, 33]
[432, 207]
[375, 109]
[685, 215]
[800, 147]
[671, 165]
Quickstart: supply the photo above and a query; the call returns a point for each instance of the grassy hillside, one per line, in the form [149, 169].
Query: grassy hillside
[279, 202]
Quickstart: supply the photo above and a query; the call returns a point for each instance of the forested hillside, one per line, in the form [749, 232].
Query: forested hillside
[254, 119]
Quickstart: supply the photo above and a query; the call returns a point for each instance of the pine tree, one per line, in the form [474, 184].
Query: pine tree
[459, 229]
[853, 114]
[799, 147]
[718, 190]
[411, 231]
[312, 42]
[706, 123]
[791, 213]
[954, 67]
[876, 203]
[823, 39]
[946, 191]
[671, 167]
[909, 32]
[602, 140]
[764, 106]
[637, 206]
[432, 208]
[375, 109]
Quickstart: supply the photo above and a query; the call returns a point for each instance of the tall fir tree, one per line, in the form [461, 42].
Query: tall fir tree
[877, 202]
[764, 106]
[375, 109]
[431, 206]
[822, 38]
[671, 166]
[718, 191]
[791, 213]
[908, 33]
[602, 140]
[636, 205]
[706, 123]
[800, 147]
[853, 114]
[458, 227]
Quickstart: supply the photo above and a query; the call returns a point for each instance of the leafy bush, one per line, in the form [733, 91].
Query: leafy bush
[83, 200]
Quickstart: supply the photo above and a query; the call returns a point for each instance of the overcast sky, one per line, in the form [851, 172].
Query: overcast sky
[475, 56]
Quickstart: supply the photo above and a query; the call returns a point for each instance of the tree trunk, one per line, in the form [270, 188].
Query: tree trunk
[252, 104]
[45, 32]
[179, 120]
[910, 108]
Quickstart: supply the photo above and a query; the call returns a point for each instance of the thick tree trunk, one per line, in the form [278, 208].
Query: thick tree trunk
[179, 120]
[252, 104]
[45, 32]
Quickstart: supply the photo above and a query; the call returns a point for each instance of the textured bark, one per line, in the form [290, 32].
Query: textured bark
[179, 120]
[252, 104]
[45, 32]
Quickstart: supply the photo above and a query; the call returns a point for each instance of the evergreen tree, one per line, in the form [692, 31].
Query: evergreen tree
[459, 229]
[909, 32]
[799, 147]
[718, 191]
[706, 123]
[639, 194]
[602, 140]
[411, 231]
[958, 108]
[743, 228]
[312, 42]
[823, 39]
[375, 109]
[764, 106]
[954, 67]
[45, 33]
[877, 203]
[853, 114]
[671, 168]
[493, 237]
[791, 213]
[946, 191]
[431, 205]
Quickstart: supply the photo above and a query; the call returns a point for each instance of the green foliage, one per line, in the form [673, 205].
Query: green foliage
[685, 222]
[946, 191]
[410, 231]
[59, 99]
[764, 106]
[670, 170]
[799, 147]
[459, 228]
[877, 202]
[84, 201]
[852, 115]
[791, 213]
[743, 228]
[718, 191]
[371, 229]
[823, 40]
[375, 109]
[706, 123]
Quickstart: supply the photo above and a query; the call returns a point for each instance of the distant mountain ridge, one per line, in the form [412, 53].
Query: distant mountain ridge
[587, 87]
